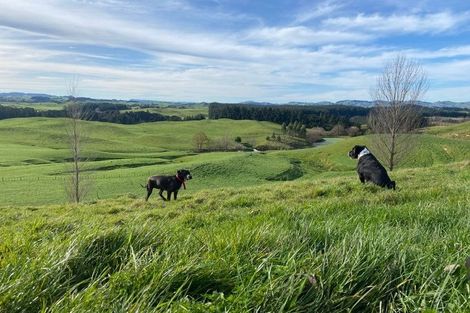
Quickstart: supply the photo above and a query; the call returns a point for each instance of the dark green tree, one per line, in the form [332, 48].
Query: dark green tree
[284, 128]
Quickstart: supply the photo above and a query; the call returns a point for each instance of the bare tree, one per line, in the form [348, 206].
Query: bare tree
[200, 139]
[396, 115]
[315, 135]
[338, 130]
[353, 131]
[76, 188]
[225, 142]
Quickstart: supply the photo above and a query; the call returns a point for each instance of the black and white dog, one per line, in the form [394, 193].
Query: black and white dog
[171, 184]
[369, 168]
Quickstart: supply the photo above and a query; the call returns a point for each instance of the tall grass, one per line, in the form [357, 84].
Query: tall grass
[327, 245]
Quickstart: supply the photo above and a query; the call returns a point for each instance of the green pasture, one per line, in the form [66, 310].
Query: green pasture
[278, 231]
[34, 152]
[34, 155]
[456, 131]
[43, 106]
[140, 138]
[181, 111]
[328, 244]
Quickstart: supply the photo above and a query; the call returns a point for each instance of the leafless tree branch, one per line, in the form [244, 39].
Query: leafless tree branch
[76, 188]
[396, 113]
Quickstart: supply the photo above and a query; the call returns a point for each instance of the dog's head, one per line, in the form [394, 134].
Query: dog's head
[355, 151]
[184, 174]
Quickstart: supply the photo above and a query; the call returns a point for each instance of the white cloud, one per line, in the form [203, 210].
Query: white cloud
[91, 27]
[426, 23]
[302, 36]
[238, 80]
[454, 71]
[448, 52]
[333, 60]
[321, 10]
[458, 94]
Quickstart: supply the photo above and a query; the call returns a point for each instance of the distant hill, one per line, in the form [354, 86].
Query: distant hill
[368, 104]
[30, 97]
[40, 97]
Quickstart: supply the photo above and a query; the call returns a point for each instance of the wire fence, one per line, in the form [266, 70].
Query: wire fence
[34, 178]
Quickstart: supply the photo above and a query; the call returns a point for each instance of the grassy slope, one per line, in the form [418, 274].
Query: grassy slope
[456, 131]
[190, 110]
[323, 245]
[32, 152]
[38, 106]
[140, 138]
[430, 150]
[181, 111]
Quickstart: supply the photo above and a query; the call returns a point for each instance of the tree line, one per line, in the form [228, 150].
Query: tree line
[325, 116]
[14, 112]
[311, 116]
[295, 129]
[102, 112]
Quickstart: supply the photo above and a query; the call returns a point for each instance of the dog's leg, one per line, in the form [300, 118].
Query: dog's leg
[362, 178]
[168, 195]
[175, 194]
[149, 192]
[161, 195]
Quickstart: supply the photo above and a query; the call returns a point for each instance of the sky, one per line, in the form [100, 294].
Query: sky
[230, 50]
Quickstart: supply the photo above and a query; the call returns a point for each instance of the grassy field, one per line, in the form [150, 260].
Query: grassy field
[317, 245]
[181, 110]
[34, 151]
[143, 138]
[283, 231]
[457, 131]
[165, 109]
[43, 106]
[33, 155]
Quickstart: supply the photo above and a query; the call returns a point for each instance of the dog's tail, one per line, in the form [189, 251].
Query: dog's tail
[391, 185]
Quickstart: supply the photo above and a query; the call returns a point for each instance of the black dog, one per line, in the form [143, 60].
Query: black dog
[369, 168]
[171, 184]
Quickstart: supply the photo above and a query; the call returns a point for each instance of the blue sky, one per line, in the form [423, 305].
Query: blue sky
[227, 50]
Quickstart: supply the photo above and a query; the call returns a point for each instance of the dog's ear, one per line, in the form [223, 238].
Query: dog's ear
[178, 171]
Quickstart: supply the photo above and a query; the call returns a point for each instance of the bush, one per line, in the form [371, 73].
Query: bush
[315, 135]
[338, 130]
[353, 131]
[200, 140]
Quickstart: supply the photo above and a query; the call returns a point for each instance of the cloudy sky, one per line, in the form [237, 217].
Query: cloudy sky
[230, 50]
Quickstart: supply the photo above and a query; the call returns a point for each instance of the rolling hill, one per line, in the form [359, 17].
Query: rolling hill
[324, 244]
[33, 154]
[283, 231]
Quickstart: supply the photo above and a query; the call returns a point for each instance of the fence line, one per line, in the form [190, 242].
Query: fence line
[63, 178]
